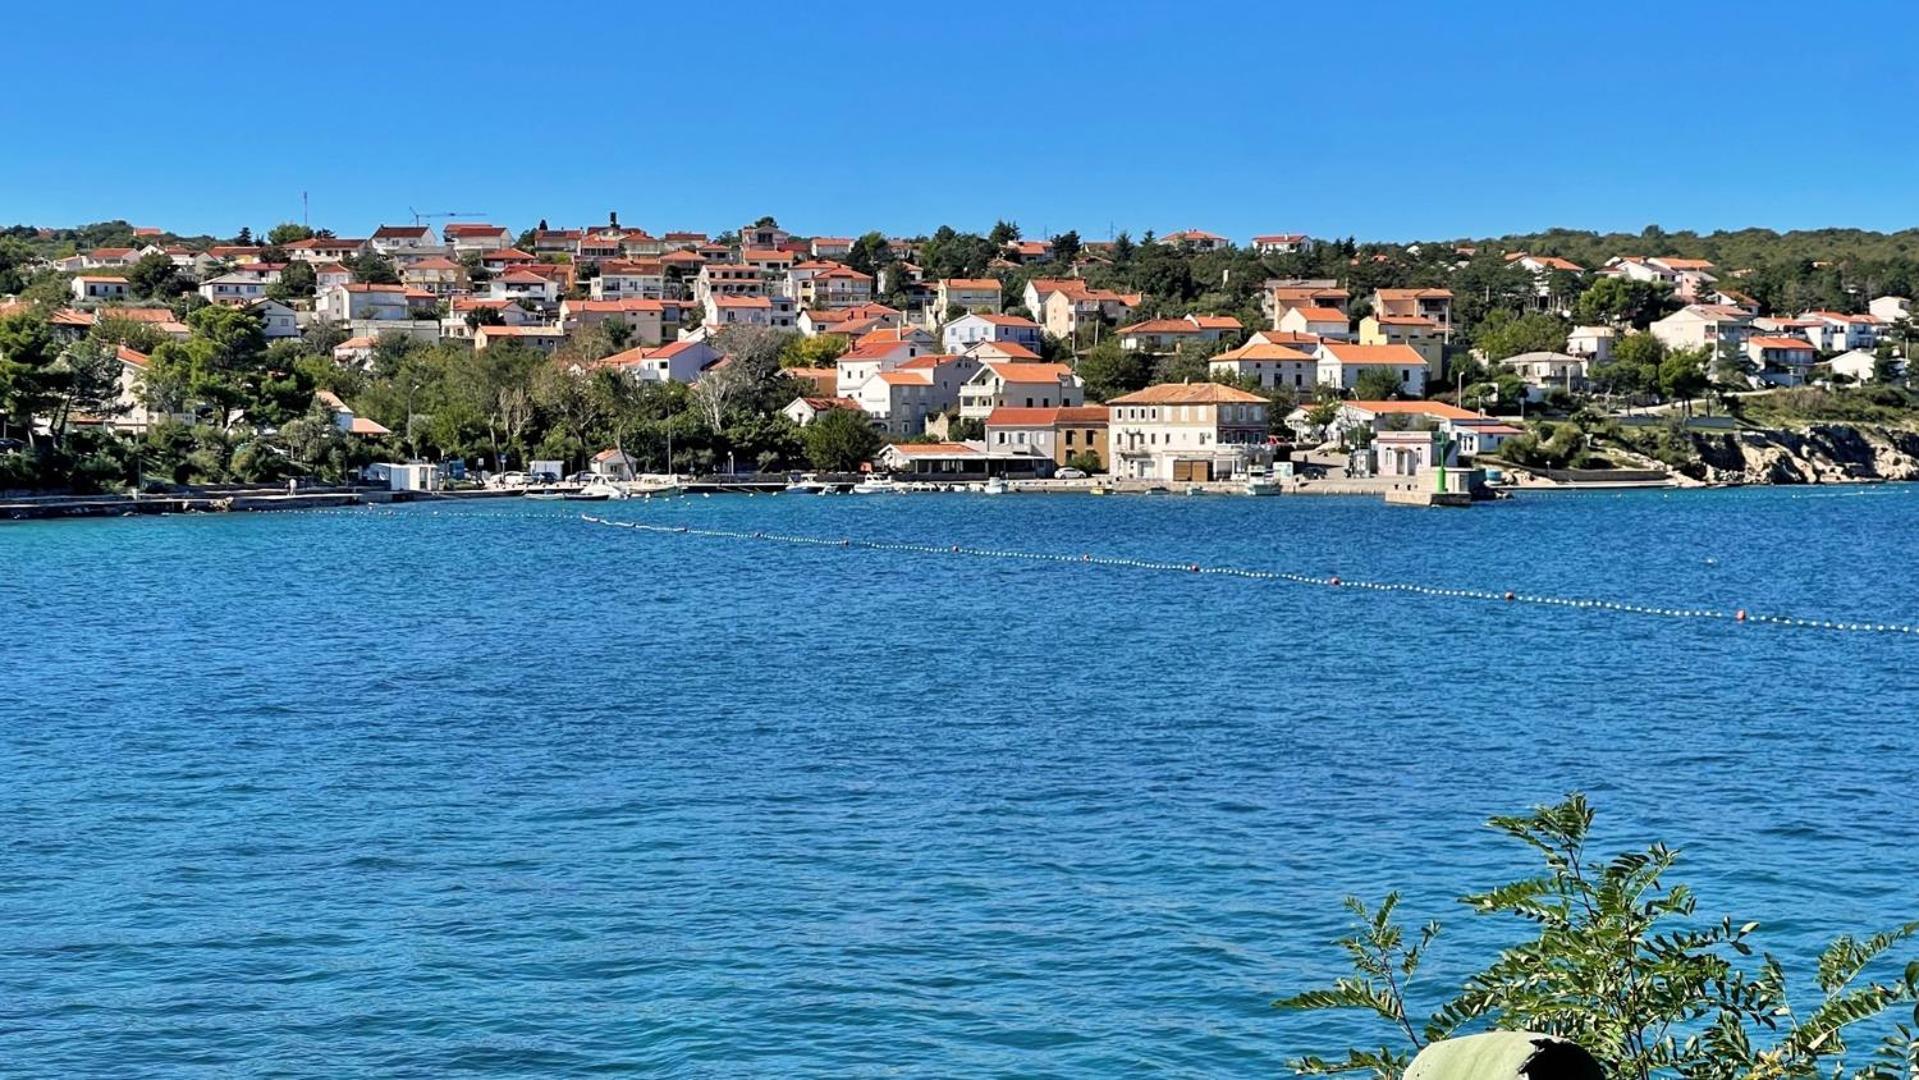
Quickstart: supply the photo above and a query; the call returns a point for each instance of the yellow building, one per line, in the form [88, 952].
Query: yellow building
[1421, 334]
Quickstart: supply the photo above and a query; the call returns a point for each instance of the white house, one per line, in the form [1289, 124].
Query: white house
[523, 285]
[1026, 385]
[277, 320]
[346, 303]
[233, 289]
[1835, 332]
[1592, 342]
[1282, 243]
[1321, 322]
[1166, 335]
[805, 409]
[681, 361]
[1859, 365]
[1269, 366]
[1341, 365]
[1890, 309]
[1185, 431]
[465, 236]
[401, 242]
[99, 287]
[1699, 326]
[971, 329]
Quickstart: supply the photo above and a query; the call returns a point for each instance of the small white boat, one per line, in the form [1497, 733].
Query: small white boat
[545, 496]
[601, 489]
[1261, 482]
[995, 485]
[876, 485]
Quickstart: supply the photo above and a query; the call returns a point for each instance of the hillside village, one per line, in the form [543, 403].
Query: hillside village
[1186, 356]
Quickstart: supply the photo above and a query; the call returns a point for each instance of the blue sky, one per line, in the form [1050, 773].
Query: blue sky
[1384, 120]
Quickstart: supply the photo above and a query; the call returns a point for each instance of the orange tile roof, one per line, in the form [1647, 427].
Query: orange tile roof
[944, 449]
[970, 283]
[1206, 393]
[1258, 351]
[1030, 373]
[1404, 355]
[1418, 408]
[1780, 343]
[1322, 314]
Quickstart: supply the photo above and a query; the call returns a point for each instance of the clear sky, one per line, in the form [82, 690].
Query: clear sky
[1381, 119]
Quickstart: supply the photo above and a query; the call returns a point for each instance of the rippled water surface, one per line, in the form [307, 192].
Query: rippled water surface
[486, 789]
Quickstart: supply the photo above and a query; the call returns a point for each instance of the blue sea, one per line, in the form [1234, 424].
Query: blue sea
[485, 789]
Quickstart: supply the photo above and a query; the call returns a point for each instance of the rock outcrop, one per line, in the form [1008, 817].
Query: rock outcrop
[1818, 454]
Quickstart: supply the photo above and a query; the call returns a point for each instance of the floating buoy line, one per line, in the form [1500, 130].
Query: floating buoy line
[1738, 616]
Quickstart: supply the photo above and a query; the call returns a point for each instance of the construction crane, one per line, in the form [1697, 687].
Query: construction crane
[421, 219]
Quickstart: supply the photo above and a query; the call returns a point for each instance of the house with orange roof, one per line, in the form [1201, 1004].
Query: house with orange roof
[357, 301]
[1417, 332]
[1832, 331]
[976, 295]
[1428, 303]
[1284, 294]
[974, 328]
[620, 279]
[500, 260]
[556, 241]
[1373, 417]
[435, 274]
[403, 243]
[807, 408]
[818, 284]
[648, 322]
[543, 338]
[680, 361]
[327, 275]
[524, 283]
[727, 279]
[865, 360]
[1282, 367]
[830, 247]
[1196, 240]
[1780, 360]
[346, 419]
[470, 236]
[1186, 432]
[325, 249]
[110, 257]
[1065, 306]
[1702, 326]
[1341, 365]
[1328, 323]
[891, 335]
[1025, 251]
[1026, 384]
[1167, 335]
[774, 311]
[769, 235]
[1059, 434]
[640, 244]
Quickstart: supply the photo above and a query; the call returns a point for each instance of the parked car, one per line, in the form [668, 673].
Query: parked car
[1070, 474]
[11, 446]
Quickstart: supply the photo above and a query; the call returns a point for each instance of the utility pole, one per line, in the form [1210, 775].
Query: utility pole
[304, 222]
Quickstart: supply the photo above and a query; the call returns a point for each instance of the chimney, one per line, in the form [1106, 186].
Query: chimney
[613, 218]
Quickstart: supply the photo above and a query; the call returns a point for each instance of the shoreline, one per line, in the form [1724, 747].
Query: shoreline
[216, 501]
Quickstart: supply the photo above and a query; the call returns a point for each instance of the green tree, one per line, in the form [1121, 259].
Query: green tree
[1618, 961]
[1618, 301]
[155, 276]
[838, 440]
[29, 385]
[1377, 384]
[1066, 247]
[1110, 371]
[1004, 232]
[287, 232]
[1504, 334]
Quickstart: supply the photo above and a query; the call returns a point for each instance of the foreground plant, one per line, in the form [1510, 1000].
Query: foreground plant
[1621, 966]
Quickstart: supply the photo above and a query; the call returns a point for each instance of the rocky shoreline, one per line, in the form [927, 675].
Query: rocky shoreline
[1815, 454]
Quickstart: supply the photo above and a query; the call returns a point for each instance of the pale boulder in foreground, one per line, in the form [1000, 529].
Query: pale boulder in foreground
[1504, 1055]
